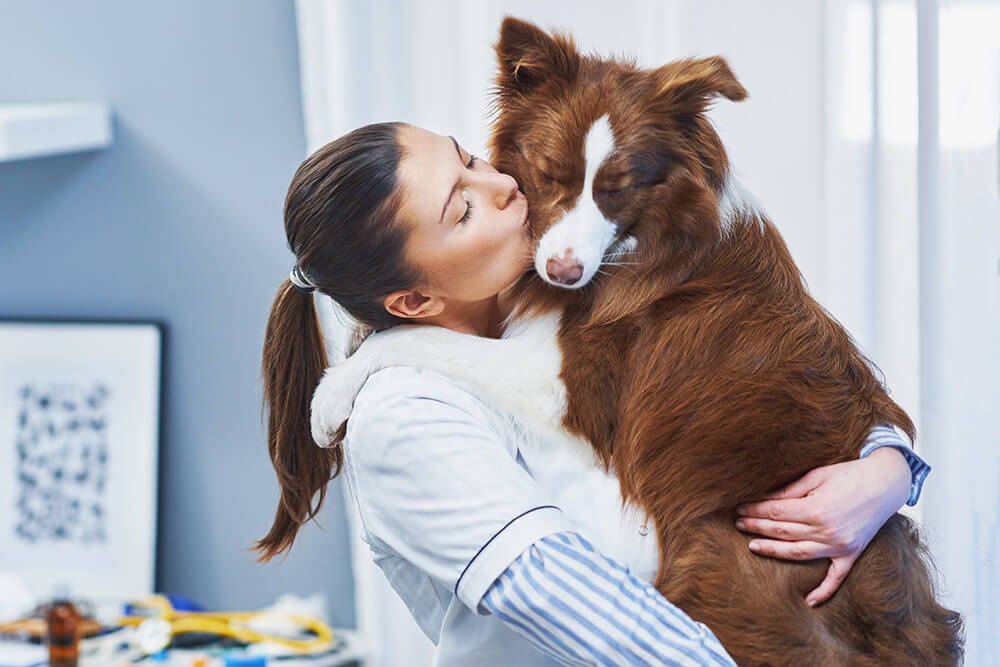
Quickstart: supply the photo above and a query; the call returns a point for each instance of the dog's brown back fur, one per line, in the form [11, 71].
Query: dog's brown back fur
[704, 372]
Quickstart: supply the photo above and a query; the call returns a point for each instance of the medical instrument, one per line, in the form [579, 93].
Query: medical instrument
[155, 631]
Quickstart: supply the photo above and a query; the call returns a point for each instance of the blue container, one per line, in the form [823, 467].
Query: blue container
[246, 660]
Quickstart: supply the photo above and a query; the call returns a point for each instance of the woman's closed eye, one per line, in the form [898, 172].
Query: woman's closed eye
[468, 212]
[468, 202]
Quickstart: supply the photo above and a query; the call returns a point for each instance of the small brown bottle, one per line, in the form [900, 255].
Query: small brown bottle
[63, 631]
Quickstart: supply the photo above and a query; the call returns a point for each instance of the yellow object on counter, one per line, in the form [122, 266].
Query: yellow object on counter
[229, 624]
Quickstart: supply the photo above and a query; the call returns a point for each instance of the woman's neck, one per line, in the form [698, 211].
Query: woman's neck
[480, 318]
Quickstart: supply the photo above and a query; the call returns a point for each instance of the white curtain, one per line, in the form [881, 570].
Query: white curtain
[959, 204]
[870, 137]
[913, 118]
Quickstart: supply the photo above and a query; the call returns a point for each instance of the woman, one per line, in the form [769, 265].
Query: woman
[400, 225]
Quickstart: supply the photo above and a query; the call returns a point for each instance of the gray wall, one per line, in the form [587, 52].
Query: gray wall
[180, 221]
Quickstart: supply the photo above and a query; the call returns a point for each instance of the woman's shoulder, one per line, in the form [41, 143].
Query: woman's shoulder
[410, 382]
[404, 409]
[402, 393]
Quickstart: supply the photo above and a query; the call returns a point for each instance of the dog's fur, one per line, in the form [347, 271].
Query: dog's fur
[695, 362]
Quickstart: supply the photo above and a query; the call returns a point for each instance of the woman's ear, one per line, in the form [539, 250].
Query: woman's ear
[412, 304]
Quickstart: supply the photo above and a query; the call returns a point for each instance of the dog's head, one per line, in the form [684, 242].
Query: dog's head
[616, 161]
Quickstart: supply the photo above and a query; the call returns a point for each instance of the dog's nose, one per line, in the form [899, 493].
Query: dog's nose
[564, 270]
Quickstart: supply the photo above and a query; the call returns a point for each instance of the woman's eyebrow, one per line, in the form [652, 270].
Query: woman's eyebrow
[457, 149]
[454, 187]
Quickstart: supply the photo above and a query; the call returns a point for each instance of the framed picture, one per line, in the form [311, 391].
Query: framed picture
[79, 441]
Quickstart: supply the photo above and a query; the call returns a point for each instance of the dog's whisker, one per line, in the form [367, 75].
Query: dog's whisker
[624, 265]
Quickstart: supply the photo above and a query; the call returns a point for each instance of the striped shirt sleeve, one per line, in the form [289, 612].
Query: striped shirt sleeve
[890, 435]
[582, 608]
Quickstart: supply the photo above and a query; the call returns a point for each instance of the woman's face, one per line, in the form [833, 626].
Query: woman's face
[469, 223]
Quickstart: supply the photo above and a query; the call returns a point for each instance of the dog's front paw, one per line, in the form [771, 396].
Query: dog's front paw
[334, 396]
[332, 402]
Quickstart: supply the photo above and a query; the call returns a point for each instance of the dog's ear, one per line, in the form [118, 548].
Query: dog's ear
[690, 85]
[528, 56]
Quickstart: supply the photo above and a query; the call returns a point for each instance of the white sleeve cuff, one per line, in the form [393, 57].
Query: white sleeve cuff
[503, 548]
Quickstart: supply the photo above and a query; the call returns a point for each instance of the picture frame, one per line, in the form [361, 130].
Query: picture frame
[80, 426]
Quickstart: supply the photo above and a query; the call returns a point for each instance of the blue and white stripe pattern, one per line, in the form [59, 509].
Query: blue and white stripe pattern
[887, 435]
[582, 608]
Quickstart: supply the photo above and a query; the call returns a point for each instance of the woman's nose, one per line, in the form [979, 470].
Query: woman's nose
[505, 190]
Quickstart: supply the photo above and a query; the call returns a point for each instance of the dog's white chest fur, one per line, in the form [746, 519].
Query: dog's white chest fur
[519, 376]
[518, 373]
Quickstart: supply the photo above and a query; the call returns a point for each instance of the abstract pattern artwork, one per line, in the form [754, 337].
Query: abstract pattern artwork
[62, 462]
[79, 447]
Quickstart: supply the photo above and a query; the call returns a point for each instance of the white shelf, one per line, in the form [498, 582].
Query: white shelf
[35, 130]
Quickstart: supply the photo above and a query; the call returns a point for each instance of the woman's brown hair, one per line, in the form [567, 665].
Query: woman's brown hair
[341, 222]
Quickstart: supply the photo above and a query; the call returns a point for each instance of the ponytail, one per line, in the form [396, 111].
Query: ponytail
[294, 359]
[343, 226]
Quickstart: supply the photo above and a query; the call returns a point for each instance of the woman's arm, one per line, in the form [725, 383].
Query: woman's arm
[443, 499]
[893, 436]
[582, 608]
[834, 511]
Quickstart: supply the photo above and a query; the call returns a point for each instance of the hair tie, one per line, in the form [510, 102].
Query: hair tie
[301, 283]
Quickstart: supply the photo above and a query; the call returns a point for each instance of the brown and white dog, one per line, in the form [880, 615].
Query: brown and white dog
[699, 369]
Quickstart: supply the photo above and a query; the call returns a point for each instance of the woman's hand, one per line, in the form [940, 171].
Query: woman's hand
[832, 512]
